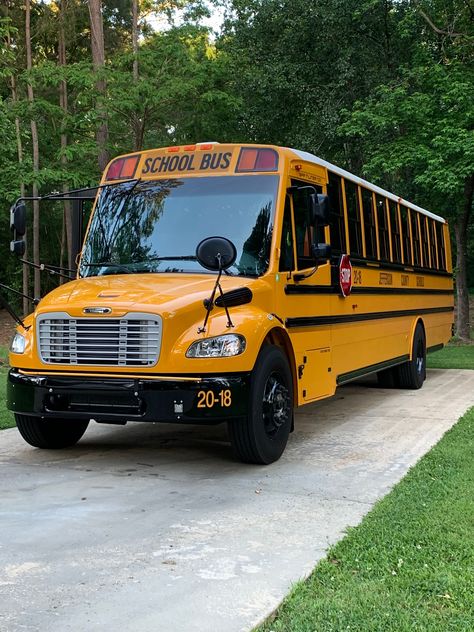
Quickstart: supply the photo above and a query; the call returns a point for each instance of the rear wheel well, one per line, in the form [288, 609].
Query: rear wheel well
[418, 321]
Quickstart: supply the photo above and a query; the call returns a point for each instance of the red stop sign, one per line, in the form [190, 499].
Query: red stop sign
[345, 275]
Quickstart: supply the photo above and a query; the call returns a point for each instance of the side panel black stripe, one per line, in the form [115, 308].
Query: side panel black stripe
[312, 321]
[372, 368]
[328, 289]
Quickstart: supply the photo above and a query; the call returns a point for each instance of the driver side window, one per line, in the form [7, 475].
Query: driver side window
[305, 233]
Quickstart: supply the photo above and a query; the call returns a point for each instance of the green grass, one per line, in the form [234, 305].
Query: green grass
[453, 356]
[408, 565]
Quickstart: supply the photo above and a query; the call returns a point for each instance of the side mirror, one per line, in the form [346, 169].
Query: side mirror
[216, 253]
[18, 218]
[18, 247]
[320, 209]
[321, 252]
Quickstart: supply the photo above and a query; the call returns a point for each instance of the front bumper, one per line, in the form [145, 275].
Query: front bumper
[204, 399]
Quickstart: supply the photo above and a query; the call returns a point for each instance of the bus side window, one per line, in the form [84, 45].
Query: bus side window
[416, 238]
[434, 256]
[369, 224]
[441, 245]
[305, 234]
[383, 228]
[287, 262]
[406, 240]
[395, 231]
[353, 217]
[337, 224]
[424, 242]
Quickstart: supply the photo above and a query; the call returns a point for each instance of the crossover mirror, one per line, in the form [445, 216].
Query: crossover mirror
[216, 253]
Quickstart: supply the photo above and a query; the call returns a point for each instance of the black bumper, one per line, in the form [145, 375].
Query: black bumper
[118, 400]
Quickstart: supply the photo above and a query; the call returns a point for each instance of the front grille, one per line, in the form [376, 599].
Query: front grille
[133, 340]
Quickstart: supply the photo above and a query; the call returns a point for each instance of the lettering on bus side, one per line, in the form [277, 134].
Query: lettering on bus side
[187, 162]
[385, 278]
[405, 280]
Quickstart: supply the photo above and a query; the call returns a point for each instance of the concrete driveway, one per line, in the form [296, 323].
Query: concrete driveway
[156, 528]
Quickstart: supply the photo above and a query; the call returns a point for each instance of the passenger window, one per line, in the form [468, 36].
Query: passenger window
[353, 217]
[424, 242]
[337, 224]
[406, 240]
[434, 256]
[287, 262]
[395, 231]
[369, 224]
[441, 245]
[383, 228]
[416, 238]
[305, 234]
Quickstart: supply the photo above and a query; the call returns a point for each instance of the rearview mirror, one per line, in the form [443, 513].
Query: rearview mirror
[320, 208]
[18, 219]
[321, 252]
[18, 247]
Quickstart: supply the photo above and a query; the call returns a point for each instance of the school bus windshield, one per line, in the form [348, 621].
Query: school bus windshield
[145, 226]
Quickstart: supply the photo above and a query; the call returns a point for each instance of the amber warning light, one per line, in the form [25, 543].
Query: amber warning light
[122, 168]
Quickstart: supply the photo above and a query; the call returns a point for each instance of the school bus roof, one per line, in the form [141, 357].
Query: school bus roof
[304, 155]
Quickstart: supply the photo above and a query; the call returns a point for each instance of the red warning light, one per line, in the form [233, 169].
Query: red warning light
[254, 159]
[122, 168]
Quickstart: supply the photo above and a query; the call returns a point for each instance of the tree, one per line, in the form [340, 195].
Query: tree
[417, 135]
[98, 61]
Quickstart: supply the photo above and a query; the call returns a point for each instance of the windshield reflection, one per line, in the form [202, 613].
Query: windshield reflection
[156, 226]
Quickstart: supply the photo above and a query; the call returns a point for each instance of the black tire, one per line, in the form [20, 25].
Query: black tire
[388, 378]
[412, 374]
[262, 437]
[52, 434]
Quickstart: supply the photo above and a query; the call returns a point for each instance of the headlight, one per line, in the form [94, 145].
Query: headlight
[218, 347]
[18, 344]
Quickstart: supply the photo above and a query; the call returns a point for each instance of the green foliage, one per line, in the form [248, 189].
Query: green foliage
[417, 134]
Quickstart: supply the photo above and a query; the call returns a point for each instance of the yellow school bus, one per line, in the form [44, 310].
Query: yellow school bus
[223, 282]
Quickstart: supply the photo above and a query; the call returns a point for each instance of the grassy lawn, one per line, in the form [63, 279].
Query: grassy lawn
[408, 565]
[453, 356]
[6, 418]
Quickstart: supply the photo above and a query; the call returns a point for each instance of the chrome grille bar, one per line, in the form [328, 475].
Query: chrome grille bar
[133, 340]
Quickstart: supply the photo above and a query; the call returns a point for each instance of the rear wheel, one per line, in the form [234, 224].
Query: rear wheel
[52, 434]
[262, 437]
[412, 374]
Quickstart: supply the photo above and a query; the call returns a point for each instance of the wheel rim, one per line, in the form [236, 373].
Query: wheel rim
[276, 404]
[420, 358]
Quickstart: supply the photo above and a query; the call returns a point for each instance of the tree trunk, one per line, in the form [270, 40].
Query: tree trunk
[35, 145]
[19, 146]
[63, 102]
[98, 62]
[137, 124]
[461, 231]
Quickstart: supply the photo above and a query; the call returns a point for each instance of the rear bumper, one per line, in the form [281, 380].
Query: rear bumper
[207, 399]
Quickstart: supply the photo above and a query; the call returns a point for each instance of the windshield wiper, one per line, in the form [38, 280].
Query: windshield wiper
[98, 264]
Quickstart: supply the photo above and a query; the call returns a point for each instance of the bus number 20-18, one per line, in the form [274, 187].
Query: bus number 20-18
[209, 399]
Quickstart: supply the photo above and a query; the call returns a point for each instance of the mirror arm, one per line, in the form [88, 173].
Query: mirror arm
[12, 312]
[300, 277]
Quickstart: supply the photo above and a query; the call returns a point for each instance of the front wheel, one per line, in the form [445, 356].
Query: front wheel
[262, 437]
[412, 374]
[52, 434]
